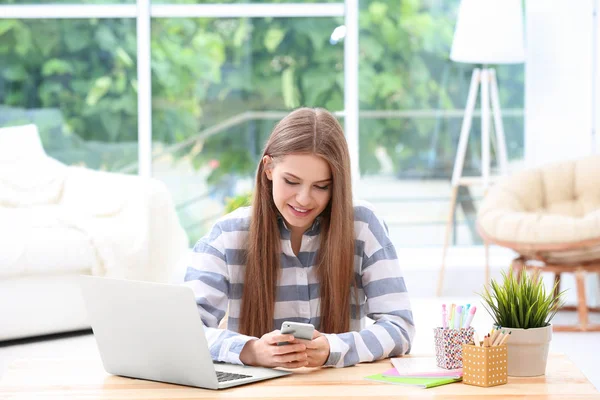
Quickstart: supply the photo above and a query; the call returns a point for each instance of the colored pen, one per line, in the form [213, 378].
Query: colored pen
[444, 316]
[470, 317]
[465, 313]
[452, 312]
[458, 317]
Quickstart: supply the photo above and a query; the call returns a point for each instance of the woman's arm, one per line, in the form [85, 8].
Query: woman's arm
[208, 276]
[387, 302]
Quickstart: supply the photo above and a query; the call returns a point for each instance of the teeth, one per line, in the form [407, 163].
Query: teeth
[299, 209]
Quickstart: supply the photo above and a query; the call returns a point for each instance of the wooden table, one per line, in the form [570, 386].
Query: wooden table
[86, 379]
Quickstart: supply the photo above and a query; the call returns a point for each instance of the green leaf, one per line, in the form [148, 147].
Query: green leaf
[372, 48]
[112, 124]
[233, 203]
[390, 31]
[15, 73]
[520, 303]
[105, 38]
[100, 88]
[120, 82]
[6, 25]
[24, 42]
[124, 57]
[314, 86]
[378, 11]
[289, 89]
[49, 92]
[134, 85]
[77, 41]
[241, 33]
[273, 38]
[56, 66]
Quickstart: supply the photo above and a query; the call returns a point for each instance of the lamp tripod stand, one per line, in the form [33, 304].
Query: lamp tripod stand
[486, 78]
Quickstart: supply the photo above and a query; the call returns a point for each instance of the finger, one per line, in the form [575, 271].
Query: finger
[313, 364]
[289, 348]
[316, 361]
[316, 334]
[312, 345]
[270, 334]
[294, 364]
[313, 353]
[278, 338]
[291, 357]
[303, 341]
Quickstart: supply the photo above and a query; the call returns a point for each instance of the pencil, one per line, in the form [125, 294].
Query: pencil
[499, 338]
[495, 335]
[476, 339]
[505, 338]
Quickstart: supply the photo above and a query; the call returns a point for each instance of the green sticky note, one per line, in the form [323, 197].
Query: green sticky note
[420, 382]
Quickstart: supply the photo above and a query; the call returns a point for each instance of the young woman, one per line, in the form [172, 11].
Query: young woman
[302, 252]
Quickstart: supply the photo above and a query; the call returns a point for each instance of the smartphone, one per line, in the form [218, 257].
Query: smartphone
[298, 329]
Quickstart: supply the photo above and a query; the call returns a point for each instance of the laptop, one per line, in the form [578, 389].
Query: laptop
[153, 331]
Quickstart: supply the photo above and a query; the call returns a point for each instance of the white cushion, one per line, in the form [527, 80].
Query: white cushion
[27, 175]
[64, 217]
[36, 241]
[19, 142]
[551, 212]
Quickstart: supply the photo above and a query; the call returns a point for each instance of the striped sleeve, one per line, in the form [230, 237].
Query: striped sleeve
[208, 276]
[387, 303]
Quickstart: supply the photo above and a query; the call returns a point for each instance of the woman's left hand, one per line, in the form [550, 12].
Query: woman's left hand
[317, 349]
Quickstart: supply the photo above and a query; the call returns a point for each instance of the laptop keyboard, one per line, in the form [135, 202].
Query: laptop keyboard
[228, 376]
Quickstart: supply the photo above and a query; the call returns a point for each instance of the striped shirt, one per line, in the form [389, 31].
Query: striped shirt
[216, 274]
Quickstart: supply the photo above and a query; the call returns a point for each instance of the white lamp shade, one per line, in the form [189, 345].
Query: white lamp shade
[489, 32]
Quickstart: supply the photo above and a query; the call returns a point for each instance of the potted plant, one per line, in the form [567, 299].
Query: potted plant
[522, 306]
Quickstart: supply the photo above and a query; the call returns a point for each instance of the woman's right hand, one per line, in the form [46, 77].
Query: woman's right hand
[265, 352]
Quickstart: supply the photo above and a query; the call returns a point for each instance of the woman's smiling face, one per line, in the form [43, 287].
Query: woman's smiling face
[301, 187]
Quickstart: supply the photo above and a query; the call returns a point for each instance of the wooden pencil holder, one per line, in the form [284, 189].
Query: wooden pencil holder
[448, 346]
[485, 366]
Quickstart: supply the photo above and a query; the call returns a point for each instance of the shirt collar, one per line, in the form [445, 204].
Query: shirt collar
[312, 231]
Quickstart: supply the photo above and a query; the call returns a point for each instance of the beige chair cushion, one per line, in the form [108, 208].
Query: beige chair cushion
[551, 212]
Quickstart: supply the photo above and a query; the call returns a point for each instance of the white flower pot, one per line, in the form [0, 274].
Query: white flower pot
[528, 350]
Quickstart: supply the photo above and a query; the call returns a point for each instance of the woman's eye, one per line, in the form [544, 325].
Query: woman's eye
[290, 182]
[322, 187]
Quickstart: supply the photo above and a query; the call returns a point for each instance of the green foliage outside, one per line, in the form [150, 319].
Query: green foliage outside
[521, 302]
[207, 70]
[233, 203]
[77, 80]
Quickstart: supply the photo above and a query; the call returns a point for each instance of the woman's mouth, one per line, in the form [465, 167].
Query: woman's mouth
[299, 212]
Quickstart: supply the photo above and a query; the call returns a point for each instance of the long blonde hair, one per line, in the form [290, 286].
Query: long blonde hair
[304, 131]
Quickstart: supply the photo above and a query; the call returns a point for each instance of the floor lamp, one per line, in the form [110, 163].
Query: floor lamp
[487, 32]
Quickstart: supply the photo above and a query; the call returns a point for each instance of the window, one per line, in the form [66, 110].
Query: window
[412, 99]
[219, 86]
[76, 80]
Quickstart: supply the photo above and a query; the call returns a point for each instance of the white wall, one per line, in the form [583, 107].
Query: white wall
[596, 72]
[559, 90]
[558, 80]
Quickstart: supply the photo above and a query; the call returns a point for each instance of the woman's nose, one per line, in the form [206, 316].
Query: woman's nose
[303, 197]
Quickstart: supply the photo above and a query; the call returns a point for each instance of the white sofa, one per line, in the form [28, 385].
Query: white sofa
[58, 222]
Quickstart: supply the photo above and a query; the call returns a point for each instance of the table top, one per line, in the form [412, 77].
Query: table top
[85, 378]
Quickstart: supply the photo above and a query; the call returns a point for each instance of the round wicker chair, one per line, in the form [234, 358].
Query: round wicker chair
[551, 217]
